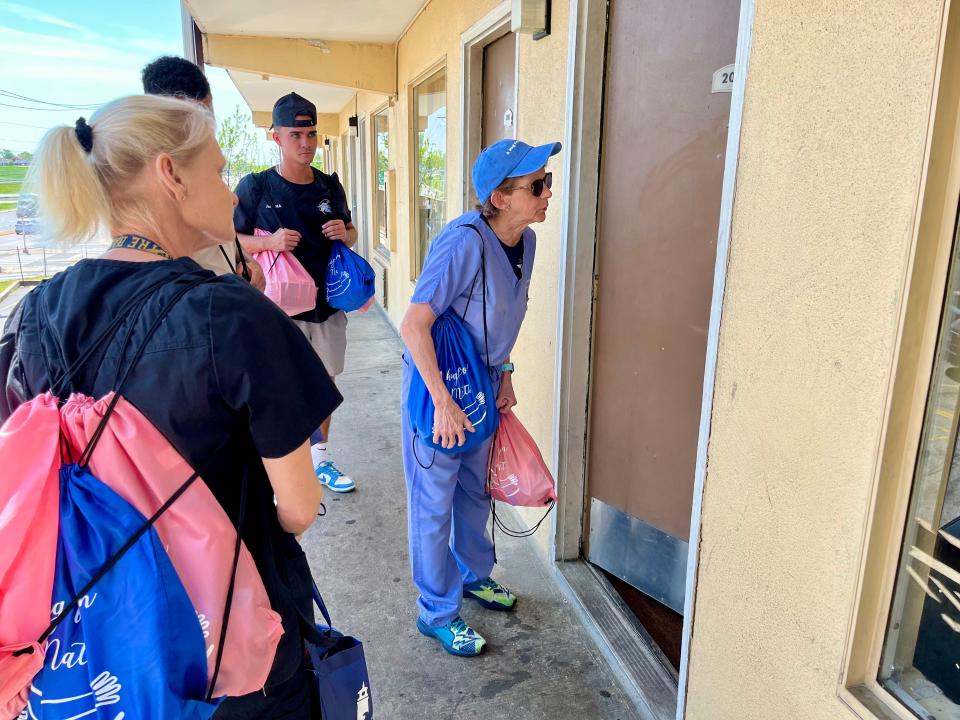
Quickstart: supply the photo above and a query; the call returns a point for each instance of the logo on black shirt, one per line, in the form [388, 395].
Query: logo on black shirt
[325, 207]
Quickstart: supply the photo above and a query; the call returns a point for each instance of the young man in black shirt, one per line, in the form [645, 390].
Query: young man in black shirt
[305, 211]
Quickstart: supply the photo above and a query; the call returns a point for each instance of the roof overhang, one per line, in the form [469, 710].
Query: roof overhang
[321, 49]
[262, 91]
[356, 66]
[359, 21]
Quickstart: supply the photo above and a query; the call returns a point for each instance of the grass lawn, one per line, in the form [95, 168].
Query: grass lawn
[11, 178]
[12, 172]
[4, 284]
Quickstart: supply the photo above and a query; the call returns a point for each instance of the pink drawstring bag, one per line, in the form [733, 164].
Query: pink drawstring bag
[517, 474]
[135, 460]
[29, 518]
[19, 665]
[289, 285]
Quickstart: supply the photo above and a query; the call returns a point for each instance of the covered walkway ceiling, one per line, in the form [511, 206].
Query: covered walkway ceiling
[365, 21]
[325, 50]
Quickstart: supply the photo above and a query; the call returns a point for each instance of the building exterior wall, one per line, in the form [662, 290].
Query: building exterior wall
[832, 146]
[541, 118]
[434, 37]
[828, 181]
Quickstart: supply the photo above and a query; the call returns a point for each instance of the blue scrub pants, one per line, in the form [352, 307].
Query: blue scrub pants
[447, 513]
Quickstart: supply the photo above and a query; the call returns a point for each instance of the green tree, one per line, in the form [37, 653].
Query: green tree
[7, 154]
[237, 139]
[433, 169]
[25, 156]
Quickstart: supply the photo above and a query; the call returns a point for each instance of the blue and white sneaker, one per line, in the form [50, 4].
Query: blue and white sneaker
[456, 637]
[330, 477]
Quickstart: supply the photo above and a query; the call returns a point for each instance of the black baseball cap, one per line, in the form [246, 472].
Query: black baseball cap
[286, 109]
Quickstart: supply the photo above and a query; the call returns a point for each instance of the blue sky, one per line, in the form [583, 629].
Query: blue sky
[84, 53]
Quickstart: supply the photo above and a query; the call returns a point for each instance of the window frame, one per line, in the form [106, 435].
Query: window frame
[416, 262]
[386, 244]
[934, 233]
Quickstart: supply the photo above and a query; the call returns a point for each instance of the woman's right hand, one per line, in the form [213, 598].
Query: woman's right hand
[449, 424]
[283, 239]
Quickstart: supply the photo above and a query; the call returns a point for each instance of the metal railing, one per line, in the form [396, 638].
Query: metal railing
[435, 215]
[25, 257]
[432, 217]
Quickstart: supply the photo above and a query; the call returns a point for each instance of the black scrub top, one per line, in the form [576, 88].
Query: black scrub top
[226, 369]
[268, 201]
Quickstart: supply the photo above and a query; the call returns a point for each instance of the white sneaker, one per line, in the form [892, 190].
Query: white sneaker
[331, 477]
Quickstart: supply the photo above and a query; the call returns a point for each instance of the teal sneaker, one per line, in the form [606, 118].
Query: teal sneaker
[456, 637]
[330, 477]
[491, 594]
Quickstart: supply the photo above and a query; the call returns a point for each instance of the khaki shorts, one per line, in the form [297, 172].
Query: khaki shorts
[329, 340]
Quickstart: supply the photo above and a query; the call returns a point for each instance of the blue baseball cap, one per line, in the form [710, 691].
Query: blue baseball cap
[506, 159]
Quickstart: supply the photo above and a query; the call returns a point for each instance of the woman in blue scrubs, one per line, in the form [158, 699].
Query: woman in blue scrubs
[447, 506]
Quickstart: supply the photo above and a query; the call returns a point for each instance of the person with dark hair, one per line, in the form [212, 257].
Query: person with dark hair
[304, 211]
[178, 77]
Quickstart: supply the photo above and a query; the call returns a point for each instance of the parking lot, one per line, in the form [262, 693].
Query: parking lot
[28, 256]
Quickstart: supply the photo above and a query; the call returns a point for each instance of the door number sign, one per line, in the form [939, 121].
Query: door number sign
[723, 80]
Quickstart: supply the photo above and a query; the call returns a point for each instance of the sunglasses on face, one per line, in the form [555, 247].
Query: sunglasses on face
[537, 186]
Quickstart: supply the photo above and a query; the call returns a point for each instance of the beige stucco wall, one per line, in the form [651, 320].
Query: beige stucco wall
[435, 37]
[541, 118]
[827, 189]
[432, 40]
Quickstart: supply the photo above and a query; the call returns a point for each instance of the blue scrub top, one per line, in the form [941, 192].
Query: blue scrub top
[449, 270]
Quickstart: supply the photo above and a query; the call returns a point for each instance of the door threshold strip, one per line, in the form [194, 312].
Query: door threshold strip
[644, 672]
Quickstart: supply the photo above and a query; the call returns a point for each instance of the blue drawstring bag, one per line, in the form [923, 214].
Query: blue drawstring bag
[350, 279]
[124, 640]
[131, 645]
[340, 669]
[465, 374]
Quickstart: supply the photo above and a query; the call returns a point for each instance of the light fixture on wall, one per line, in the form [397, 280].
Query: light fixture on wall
[354, 122]
[531, 17]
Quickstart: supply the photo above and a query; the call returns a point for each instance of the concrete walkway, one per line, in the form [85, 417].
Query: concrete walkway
[540, 662]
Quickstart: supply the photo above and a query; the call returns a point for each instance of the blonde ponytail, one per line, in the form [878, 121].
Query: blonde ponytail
[82, 194]
[73, 203]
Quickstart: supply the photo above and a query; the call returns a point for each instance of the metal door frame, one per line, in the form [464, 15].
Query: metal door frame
[576, 287]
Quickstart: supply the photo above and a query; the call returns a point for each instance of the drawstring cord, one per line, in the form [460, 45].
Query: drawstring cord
[413, 446]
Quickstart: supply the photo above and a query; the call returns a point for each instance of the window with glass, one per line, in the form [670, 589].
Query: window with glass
[430, 201]
[920, 664]
[319, 162]
[381, 134]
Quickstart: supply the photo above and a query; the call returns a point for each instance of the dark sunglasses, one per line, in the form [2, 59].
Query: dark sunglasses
[537, 186]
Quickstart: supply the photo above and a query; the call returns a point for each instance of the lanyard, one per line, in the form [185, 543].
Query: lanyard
[138, 242]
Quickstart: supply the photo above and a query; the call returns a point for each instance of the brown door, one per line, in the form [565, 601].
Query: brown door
[664, 140]
[499, 90]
